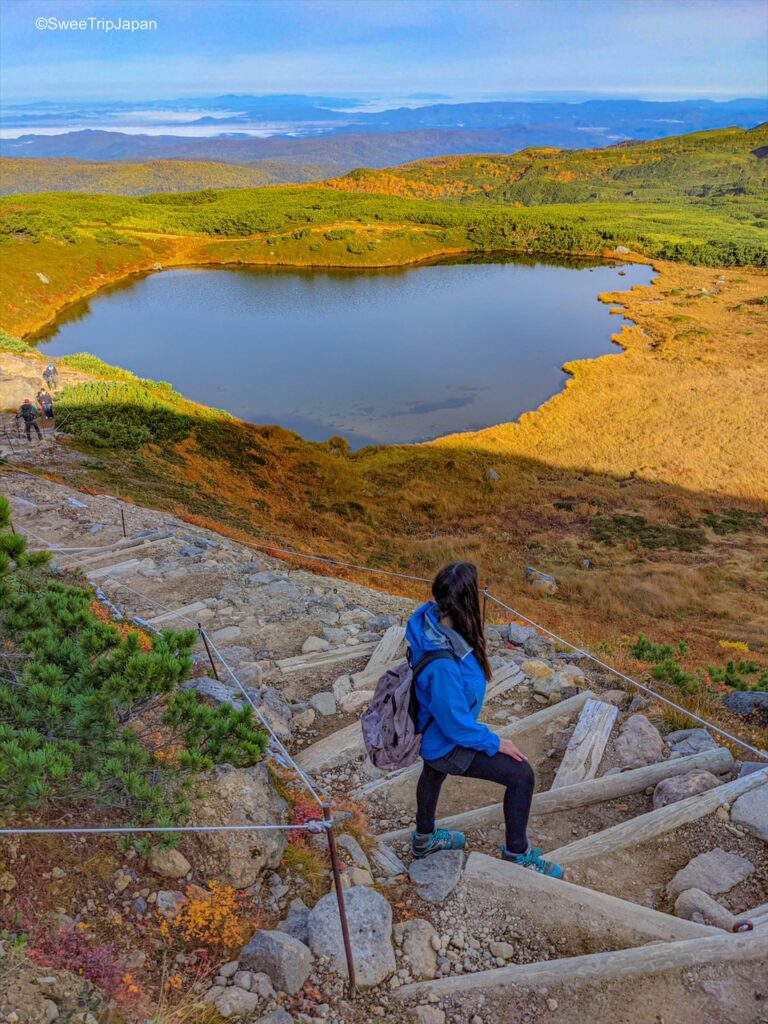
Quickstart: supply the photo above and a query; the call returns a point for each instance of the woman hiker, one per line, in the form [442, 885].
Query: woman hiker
[450, 695]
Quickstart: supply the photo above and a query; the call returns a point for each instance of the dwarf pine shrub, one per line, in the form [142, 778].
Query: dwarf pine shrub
[93, 713]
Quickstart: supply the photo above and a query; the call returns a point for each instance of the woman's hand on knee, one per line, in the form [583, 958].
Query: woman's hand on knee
[508, 747]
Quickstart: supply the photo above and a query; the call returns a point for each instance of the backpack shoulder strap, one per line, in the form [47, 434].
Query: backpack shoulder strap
[428, 658]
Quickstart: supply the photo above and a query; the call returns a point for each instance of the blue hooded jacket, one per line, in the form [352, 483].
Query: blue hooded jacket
[450, 692]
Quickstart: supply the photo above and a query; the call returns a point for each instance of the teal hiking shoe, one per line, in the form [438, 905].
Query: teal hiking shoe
[440, 839]
[533, 859]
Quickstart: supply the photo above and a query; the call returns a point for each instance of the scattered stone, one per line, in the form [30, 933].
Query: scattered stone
[360, 876]
[696, 905]
[713, 872]
[678, 787]
[491, 474]
[229, 970]
[638, 703]
[560, 738]
[169, 902]
[689, 741]
[748, 704]
[418, 948]
[168, 863]
[295, 921]
[276, 1017]
[227, 633]
[519, 634]
[502, 950]
[50, 1011]
[436, 876]
[427, 1015]
[639, 743]
[355, 851]
[750, 811]
[304, 719]
[616, 697]
[342, 686]
[622, 250]
[235, 1002]
[355, 701]
[324, 703]
[315, 645]
[238, 796]
[243, 979]
[285, 961]
[549, 687]
[535, 669]
[7, 882]
[370, 926]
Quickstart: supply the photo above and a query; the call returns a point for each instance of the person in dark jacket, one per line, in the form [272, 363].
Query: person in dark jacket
[28, 413]
[450, 695]
[50, 376]
[45, 402]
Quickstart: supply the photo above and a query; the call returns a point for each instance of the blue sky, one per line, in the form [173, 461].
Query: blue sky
[464, 49]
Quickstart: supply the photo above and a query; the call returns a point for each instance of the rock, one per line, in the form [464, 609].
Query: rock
[689, 741]
[678, 787]
[748, 704]
[748, 767]
[539, 647]
[262, 986]
[353, 702]
[427, 1015]
[548, 687]
[324, 703]
[276, 1017]
[304, 719]
[295, 921]
[577, 675]
[696, 905]
[560, 738]
[243, 979]
[713, 872]
[436, 876]
[370, 927]
[615, 697]
[536, 669]
[519, 634]
[238, 796]
[235, 1002]
[418, 948]
[227, 633]
[639, 743]
[491, 474]
[388, 861]
[750, 811]
[285, 961]
[622, 250]
[502, 950]
[168, 863]
[274, 707]
[229, 970]
[638, 703]
[360, 876]
[50, 1010]
[7, 882]
[342, 686]
[314, 645]
[169, 902]
[355, 851]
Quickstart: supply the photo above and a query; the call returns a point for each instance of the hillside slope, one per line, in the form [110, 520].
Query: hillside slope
[19, 175]
[712, 165]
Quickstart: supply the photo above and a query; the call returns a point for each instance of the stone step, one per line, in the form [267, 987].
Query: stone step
[322, 659]
[110, 550]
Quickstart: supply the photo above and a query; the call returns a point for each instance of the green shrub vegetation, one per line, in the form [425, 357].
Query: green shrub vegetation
[89, 712]
[737, 675]
[633, 529]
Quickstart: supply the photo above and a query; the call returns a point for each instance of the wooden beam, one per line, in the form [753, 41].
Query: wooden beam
[609, 787]
[599, 968]
[389, 648]
[587, 745]
[656, 823]
[504, 679]
[322, 659]
[341, 746]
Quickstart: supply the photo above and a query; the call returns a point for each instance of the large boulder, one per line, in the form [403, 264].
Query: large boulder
[678, 787]
[713, 872]
[370, 928]
[13, 390]
[639, 743]
[238, 796]
[284, 959]
[750, 811]
[748, 704]
[168, 863]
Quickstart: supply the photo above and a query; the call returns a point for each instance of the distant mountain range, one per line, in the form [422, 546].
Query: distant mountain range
[306, 130]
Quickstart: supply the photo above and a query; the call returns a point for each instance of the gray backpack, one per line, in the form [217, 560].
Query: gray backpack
[389, 721]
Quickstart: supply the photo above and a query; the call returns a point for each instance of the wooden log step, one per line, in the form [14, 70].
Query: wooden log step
[598, 969]
[504, 679]
[340, 747]
[322, 659]
[593, 791]
[656, 823]
[115, 568]
[585, 750]
[187, 609]
[390, 648]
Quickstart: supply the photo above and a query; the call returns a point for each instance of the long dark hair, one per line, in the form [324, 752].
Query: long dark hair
[457, 594]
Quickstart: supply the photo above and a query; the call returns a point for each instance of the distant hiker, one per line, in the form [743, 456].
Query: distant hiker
[449, 694]
[45, 402]
[28, 413]
[50, 376]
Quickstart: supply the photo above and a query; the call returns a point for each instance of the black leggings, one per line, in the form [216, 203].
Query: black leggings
[516, 776]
